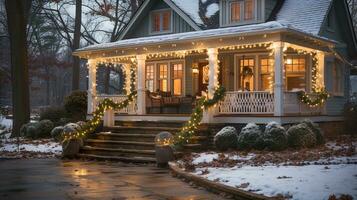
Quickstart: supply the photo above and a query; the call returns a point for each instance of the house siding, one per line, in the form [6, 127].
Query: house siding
[269, 7]
[141, 28]
[338, 32]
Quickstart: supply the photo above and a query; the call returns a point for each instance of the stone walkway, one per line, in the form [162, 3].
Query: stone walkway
[57, 179]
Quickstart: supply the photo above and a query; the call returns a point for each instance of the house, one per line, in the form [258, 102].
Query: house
[262, 51]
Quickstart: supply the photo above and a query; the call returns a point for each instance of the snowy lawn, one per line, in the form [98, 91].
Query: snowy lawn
[25, 148]
[305, 174]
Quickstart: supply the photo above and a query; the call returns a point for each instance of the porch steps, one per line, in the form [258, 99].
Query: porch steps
[134, 141]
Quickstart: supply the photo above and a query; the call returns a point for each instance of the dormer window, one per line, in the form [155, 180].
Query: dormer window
[237, 12]
[243, 9]
[160, 21]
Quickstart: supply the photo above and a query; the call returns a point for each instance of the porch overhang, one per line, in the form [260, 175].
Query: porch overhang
[214, 38]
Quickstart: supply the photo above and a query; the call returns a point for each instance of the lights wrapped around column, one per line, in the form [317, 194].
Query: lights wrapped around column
[189, 129]
[98, 114]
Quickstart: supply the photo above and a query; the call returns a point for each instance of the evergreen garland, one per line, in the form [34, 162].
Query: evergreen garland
[106, 104]
[189, 129]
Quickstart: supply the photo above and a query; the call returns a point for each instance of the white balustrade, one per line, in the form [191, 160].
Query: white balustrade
[247, 103]
[293, 105]
[130, 109]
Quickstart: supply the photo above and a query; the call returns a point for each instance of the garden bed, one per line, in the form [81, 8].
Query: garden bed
[316, 173]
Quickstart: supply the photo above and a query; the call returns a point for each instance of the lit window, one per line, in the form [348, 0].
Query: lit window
[295, 68]
[266, 74]
[163, 75]
[149, 77]
[161, 21]
[235, 11]
[337, 79]
[242, 11]
[246, 71]
[177, 78]
[248, 9]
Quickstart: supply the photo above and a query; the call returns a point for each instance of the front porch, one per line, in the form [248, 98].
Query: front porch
[262, 74]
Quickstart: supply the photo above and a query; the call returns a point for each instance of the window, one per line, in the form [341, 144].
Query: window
[337, 79]
[243, 10]
[149, 77]
[266, 74]
[235, 11]
[161, 21]
[295, 73]
[248, 9]
[246, 74]
[177, 75]
[163, 76]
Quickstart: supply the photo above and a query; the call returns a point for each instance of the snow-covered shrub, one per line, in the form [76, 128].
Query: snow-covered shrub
[56, 133]
[226, 138]
[76, 105]
[44, 129]
[81, 124]
[300, 136]
[274, 137]
[29, 130]
[249, 137]
[70, 128]
[316, 130]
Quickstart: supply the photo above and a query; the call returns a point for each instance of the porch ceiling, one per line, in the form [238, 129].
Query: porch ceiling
[244, 35]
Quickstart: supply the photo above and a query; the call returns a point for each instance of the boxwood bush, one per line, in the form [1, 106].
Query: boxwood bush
[76, 105]
[314, 127]
[227, 138]
[301, 136]
[249, 137]
[274, 137]
[55, 114]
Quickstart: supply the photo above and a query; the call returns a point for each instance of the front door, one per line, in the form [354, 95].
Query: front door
[203, 77]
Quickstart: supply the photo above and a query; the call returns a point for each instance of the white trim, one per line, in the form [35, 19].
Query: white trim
[150, 22]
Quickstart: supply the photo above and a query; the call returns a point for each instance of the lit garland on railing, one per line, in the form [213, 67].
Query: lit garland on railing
[189, 129]
[106, 104]
[319, 94]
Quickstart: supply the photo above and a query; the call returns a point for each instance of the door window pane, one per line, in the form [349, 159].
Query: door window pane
[246, 74]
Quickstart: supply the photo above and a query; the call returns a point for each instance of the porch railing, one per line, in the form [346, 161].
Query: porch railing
[247, 103]
[130, 109]
[292, 105]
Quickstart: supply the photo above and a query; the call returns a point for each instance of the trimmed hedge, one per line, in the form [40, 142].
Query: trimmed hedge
[249, 137]
[226, 138]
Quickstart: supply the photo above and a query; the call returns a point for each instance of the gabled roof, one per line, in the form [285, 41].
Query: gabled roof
[305, 15]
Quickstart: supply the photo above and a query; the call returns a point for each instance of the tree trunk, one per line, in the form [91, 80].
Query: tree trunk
[16, 12]
[76, 43]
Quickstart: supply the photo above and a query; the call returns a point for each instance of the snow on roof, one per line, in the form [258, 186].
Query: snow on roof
[305, 15]
[192, 9]
[268, 26]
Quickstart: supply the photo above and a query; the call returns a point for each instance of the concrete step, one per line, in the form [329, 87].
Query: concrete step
[119, 158]
[125, 137]
[120, 144]
[140, 130]
[176, 124]
[117, 152]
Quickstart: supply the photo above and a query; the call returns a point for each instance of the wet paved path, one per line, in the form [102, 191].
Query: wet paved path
[57, 179]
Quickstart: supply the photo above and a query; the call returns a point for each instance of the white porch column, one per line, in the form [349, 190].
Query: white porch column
[212, 83]
[141, 84]
[108, 118]
[279, 78]
[92, 85]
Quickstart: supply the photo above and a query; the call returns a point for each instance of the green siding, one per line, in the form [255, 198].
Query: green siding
[141, 25]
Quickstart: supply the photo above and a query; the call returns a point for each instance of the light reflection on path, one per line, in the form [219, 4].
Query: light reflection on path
[57, 179]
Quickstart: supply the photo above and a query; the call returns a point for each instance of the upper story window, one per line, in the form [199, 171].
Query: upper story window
[242, 10]
[236, 12]
[160, 21]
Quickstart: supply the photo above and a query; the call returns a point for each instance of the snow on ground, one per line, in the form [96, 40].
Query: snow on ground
[300, 182]
[7, 123]
[299, 174]
[36, 146]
